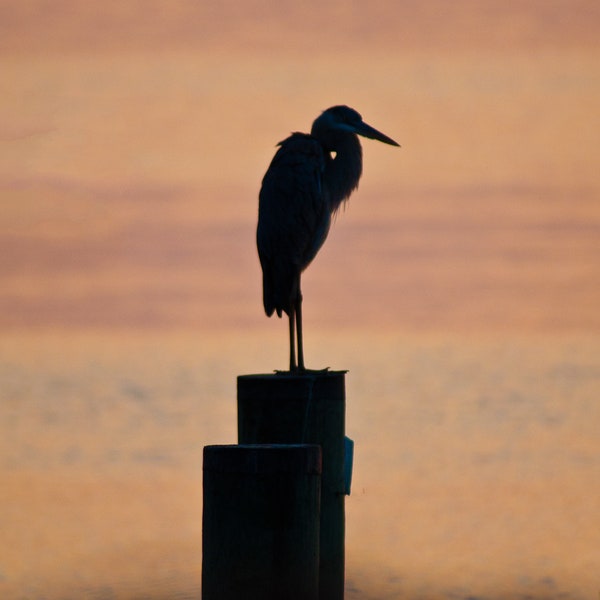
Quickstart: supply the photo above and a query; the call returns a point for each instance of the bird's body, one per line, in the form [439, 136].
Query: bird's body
[293, 219]
[308, 179]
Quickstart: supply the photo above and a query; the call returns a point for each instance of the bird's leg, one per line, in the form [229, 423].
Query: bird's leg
[298, 311]
[292, 342]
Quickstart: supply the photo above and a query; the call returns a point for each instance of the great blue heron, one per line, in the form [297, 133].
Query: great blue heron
[308, 179]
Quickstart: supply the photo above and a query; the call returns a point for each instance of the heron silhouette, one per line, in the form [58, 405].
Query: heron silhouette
[310, 176]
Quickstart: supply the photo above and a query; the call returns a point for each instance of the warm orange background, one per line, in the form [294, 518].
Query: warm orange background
[460, 286]
[135, 135]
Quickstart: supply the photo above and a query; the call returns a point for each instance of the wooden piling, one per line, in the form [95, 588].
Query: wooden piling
[260, 522]
[307, 408]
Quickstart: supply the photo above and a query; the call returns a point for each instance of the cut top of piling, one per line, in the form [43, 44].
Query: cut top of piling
[292, 385]
[300, 375]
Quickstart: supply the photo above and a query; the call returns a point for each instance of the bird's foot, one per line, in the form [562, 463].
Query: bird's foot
[302, 371]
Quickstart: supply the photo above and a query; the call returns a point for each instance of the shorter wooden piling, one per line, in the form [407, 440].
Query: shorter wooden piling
[260, 522]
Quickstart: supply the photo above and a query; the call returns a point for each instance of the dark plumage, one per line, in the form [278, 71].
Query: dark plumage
[308, 179]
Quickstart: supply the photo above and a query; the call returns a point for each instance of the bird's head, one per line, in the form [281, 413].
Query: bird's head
[343, 119]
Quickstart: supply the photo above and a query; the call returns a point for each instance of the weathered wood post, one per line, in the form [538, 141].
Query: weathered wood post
[260, 522]
[307, 408]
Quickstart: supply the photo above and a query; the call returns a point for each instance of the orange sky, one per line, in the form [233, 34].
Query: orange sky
[133, 143]
[290, 28]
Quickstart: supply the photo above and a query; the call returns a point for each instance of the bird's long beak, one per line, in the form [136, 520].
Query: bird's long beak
[370, 132]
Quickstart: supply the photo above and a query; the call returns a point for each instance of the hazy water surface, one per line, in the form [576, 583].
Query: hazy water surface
[460, 286]
[476, 475]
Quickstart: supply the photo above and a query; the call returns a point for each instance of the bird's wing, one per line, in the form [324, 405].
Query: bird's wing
[293, 218]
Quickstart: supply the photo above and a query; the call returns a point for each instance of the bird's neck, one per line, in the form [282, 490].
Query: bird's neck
[343, 170]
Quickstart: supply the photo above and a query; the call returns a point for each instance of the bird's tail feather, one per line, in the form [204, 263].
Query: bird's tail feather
[279, 292]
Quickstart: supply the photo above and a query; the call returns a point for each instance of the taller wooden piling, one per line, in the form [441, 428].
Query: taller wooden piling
[307, 408]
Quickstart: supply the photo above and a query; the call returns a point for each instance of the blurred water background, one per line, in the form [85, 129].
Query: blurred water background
[460, 286]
